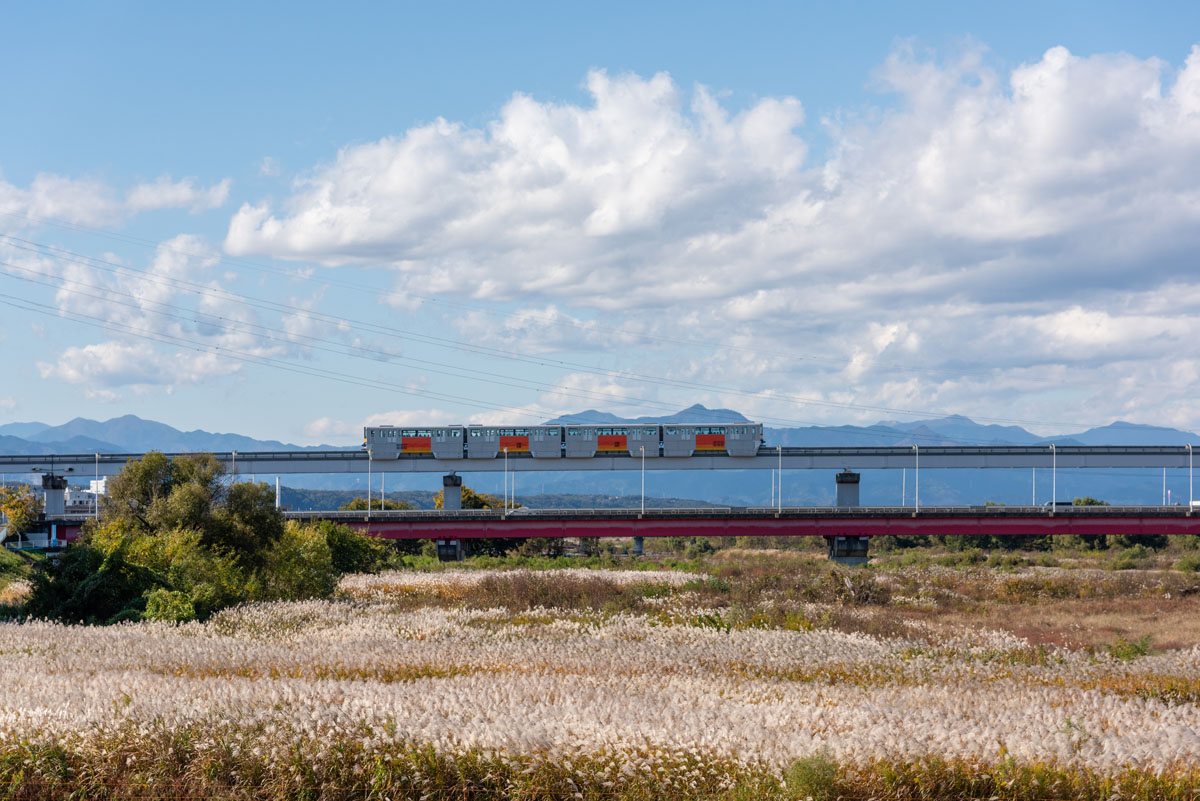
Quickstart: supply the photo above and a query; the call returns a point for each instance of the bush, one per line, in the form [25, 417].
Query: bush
[351, 551]
[299, 565]
[168, 605]
[812, 777]
[1190, 563]
[1130, 558]
[1142, 541]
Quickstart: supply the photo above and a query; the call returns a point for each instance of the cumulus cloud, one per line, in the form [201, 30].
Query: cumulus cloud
[998, 243]
[87, 201]
[167, 194]
[109, 364]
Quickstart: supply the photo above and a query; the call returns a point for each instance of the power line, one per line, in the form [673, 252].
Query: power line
[275, 306]
[287, 338]
[376, 291]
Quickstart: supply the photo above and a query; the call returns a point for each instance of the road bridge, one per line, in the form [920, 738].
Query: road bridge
[85, 465]
[846, 529]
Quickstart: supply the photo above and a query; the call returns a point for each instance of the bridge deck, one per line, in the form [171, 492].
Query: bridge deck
[755, 521]
[882, 458]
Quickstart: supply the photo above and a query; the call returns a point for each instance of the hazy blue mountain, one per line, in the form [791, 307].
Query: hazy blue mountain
[131, 434]
[695, 413]
[965, 431]
[23, 446]
[1122, 433]
[23, 430]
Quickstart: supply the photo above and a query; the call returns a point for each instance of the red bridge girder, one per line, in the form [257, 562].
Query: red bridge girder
[711, 526]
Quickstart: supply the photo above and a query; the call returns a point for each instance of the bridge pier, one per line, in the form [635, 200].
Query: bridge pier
[450, 550]
[847, 488]
[848, 550]
[55, 488]
[638, 546]
[452, 493]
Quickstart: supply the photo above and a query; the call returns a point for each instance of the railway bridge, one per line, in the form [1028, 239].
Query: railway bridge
[846, 530]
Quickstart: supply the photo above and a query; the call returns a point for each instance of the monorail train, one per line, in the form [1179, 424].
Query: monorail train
[563, 442]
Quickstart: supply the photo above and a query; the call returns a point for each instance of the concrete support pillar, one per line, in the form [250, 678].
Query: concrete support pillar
[638, 548]
[451, 492]
[451, 550]
[848, 550]
[55, 488]
[847, 489]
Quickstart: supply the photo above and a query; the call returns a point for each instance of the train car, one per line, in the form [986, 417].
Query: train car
[580, 442]
[572, 441]
[644, 436]
[546, 442]
[393, 442]
[541, 442]
[733, 440]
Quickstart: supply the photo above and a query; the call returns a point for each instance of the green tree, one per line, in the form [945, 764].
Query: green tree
[20, 508]
[360, 505]
[475, 500]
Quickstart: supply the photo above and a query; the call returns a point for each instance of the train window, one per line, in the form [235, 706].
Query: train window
[474, 432]
[670, 431]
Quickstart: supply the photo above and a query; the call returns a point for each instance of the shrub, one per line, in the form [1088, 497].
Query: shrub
[1125, 650]
[812, 777]
[299, 565]
[168, 605]
[1130, 558]
[350, 551]
[1190, 563]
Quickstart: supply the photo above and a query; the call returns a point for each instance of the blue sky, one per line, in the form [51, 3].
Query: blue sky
[812, 213]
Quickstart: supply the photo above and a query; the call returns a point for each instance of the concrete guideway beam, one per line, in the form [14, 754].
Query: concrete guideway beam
[268, 463]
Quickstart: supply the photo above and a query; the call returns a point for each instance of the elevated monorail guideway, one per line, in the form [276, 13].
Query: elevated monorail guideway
[87, 465]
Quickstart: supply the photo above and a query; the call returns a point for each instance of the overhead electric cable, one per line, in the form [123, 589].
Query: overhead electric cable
[278, 307]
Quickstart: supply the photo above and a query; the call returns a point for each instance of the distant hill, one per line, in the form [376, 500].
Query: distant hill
[692, 414]
[130, 434]
[23, 430]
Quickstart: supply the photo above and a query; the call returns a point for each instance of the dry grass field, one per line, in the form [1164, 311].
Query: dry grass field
[743, 675]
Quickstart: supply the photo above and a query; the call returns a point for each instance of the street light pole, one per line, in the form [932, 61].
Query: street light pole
[779, 450]
[643, 450]
[916, 478]
[96, 490]
[505, 514]
[369, 483]
[1190, 499]
[1053, 477]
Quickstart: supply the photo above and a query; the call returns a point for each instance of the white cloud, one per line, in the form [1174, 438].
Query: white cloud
[323, 429]
[114, 364]
[167, 194]
[8, 404]
[87, 201]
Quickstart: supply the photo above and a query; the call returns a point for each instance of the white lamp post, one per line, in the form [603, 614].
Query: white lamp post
[96, 490]
[779, 450]
[1053, 477]
[916, 478]
[505, 513]
[369, 483]
[643, 450]
[1190, 499]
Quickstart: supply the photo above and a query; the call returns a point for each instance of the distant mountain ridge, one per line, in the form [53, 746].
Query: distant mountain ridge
[692, 414]
[128, 434]
[132, 434]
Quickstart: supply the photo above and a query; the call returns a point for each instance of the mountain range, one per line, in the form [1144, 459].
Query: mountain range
[130, 434]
